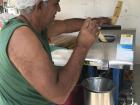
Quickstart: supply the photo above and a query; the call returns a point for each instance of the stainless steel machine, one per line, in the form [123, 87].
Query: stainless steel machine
[117, 54]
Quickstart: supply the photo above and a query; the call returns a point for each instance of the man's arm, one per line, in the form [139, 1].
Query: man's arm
[64, 26]
[71, 25]
[29, 57]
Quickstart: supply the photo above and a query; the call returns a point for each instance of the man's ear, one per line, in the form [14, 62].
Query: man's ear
[39, 4]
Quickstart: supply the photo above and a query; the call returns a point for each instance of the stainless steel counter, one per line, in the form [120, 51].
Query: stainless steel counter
[103, 55]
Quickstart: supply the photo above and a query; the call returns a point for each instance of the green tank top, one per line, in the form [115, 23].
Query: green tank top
[14, 89]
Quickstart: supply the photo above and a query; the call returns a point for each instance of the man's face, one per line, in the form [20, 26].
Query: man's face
[50, 9]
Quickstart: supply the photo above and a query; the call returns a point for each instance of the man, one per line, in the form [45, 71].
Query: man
[27, 73]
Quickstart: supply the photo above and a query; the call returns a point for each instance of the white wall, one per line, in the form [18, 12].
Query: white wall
[130, 15]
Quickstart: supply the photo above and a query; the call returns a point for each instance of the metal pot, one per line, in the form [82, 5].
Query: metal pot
[98, 91]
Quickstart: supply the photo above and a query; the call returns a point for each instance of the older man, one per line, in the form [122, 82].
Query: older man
[27, 73]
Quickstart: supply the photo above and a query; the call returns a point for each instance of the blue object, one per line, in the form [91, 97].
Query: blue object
[126, 46]
[91, 71]
[117, 77]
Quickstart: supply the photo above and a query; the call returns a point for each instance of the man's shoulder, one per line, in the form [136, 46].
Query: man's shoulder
[24, 32]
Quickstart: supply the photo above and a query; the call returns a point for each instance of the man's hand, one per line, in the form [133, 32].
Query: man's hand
[88, 33]
[102, 20]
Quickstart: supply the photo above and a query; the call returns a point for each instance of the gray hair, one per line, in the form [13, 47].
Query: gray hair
[27, 10]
